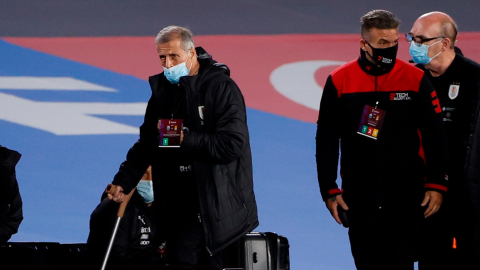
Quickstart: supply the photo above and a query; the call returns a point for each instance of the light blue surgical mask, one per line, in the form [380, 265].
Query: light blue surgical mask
[145, 189]
[419, 53]
[174, 73]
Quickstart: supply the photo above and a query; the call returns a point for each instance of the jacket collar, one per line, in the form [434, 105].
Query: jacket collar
[452, 68]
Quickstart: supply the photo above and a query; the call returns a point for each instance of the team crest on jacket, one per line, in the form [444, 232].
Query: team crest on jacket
[453, 91]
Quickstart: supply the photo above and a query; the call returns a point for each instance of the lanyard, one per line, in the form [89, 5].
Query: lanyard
[376, 95]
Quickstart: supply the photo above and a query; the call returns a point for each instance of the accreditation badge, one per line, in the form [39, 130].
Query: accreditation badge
[453, 91]
[169, 131]
[371, 122]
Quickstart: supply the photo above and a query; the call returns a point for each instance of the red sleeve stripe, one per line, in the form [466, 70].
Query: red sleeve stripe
[436, 102]
[334, 191]
[435, 186]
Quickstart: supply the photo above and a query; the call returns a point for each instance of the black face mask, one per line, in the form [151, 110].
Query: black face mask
[385, 58]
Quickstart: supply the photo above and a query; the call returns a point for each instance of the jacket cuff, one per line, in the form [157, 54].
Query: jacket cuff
[332, 193]
[188, 142]
[436, 187]
[127, 187]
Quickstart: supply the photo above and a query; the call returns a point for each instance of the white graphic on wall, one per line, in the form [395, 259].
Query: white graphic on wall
[49, 83]
[296, 81]
[64, 118]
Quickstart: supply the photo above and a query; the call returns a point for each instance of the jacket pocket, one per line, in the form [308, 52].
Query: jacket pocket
[229, 199]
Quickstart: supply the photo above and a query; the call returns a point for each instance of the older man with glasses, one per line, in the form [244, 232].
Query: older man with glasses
[457, 82]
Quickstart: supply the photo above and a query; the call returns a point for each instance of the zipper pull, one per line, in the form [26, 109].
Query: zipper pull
[172, 116]
[199, 218]
[376, 104]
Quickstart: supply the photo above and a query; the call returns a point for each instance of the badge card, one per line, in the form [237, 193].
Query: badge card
[371, 122]
[170, 131]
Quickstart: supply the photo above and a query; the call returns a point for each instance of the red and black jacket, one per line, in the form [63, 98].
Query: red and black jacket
[409, 155]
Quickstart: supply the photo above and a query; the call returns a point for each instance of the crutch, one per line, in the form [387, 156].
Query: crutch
[121, 211]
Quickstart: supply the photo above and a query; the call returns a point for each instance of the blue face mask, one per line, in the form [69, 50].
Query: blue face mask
[145, 189]
[174, 73]
[419, 53]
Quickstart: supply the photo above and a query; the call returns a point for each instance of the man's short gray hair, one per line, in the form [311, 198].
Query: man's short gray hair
[172, 32]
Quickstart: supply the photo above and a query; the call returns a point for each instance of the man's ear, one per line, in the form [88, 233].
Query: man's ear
[362, 45]
[193, 52]
[446, 43]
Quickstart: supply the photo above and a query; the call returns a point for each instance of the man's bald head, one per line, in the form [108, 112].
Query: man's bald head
[446, 26]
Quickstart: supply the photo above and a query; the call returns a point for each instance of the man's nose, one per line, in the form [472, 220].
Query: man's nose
[168, 63]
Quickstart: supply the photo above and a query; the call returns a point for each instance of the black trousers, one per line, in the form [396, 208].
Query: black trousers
[385, 238]
[436, 251]
[186, 248]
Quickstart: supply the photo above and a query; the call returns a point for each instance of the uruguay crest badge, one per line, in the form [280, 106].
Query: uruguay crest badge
[453, 91]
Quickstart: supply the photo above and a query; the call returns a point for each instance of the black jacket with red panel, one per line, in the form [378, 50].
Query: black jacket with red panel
[409, 154]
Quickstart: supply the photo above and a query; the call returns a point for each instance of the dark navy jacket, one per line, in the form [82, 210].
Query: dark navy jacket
[217, 144]
[11, 214]
[137, 239]
[458, 89]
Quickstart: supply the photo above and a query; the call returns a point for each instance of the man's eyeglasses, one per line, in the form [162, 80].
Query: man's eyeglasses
[418, 40]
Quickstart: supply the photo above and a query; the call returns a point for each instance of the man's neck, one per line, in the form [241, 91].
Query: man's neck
[195, 67]
[440, 65]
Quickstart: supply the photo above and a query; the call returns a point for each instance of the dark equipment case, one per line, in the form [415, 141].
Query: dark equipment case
[258, 251]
